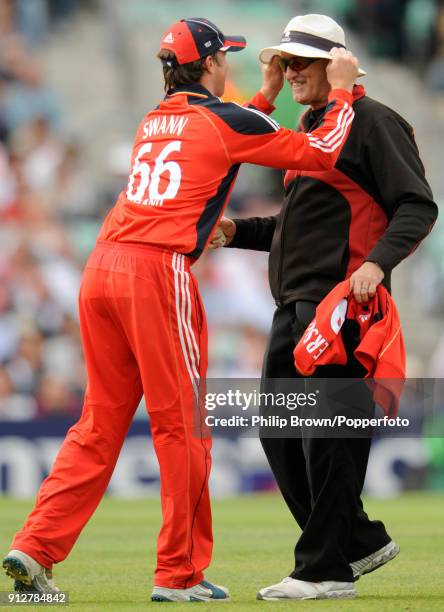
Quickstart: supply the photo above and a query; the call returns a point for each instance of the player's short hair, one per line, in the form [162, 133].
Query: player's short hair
[175, 74]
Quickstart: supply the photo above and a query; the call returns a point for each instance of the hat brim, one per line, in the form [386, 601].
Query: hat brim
[267, 53]
[234, 43]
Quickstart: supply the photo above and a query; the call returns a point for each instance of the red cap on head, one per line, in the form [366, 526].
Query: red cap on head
[194, 38]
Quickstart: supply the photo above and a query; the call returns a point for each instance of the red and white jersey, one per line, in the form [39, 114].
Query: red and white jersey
[186, 156]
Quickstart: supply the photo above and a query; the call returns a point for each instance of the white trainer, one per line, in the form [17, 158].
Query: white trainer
[28, 574]
[377, 559]
[290, 588]
[204, 591]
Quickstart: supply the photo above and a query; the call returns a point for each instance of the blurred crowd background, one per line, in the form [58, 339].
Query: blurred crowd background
[76, 76]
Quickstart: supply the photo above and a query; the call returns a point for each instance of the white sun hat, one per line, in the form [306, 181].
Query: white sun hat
[308, 36]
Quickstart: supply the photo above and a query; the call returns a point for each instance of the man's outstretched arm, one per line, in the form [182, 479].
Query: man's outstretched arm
[255, 233]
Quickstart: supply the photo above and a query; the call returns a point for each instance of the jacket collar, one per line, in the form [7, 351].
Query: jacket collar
[310, 119]
[196, 89]
[358, 92]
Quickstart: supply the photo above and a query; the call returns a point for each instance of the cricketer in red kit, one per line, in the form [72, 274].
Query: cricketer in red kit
[142, 320]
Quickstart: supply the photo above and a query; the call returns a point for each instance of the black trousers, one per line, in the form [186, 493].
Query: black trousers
[321, 478]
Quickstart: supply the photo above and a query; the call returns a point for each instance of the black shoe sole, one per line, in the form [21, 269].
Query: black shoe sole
[17, 571]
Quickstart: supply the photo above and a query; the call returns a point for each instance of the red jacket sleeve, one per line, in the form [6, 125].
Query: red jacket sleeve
[253, 137]
[260, 102]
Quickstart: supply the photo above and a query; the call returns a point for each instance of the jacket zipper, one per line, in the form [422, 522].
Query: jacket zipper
[281, 254]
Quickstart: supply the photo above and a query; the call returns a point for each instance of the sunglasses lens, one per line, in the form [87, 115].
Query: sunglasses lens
[296, 63]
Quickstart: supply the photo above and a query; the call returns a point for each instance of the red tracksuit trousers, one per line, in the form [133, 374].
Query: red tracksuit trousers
[143, 331]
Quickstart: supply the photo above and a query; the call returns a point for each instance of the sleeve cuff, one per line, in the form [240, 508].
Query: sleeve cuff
[240, 235]
[377, 260]
[341, 94]
[260, 102]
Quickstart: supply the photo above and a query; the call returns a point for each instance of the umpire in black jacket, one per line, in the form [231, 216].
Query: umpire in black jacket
[357, 221]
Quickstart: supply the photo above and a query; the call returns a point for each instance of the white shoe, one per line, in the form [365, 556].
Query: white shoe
[28, 574]
[290, 588]
[204, 591]
[377, 559]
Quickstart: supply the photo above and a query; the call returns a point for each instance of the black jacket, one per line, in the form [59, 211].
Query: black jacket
[375, 205]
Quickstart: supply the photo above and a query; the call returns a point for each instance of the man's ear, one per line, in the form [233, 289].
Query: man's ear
[209, 64]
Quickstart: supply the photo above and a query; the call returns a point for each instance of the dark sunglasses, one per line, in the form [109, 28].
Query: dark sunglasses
[297, 63]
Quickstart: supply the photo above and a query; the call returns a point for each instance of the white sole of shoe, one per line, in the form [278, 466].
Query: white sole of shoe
[349, 594]
[160, 598]
[162, 594]
[382, 556]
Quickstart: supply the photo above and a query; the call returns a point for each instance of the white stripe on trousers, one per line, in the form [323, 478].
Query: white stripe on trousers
[187, 337]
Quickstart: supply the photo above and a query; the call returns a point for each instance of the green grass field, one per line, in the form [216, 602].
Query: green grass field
[111, 566]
